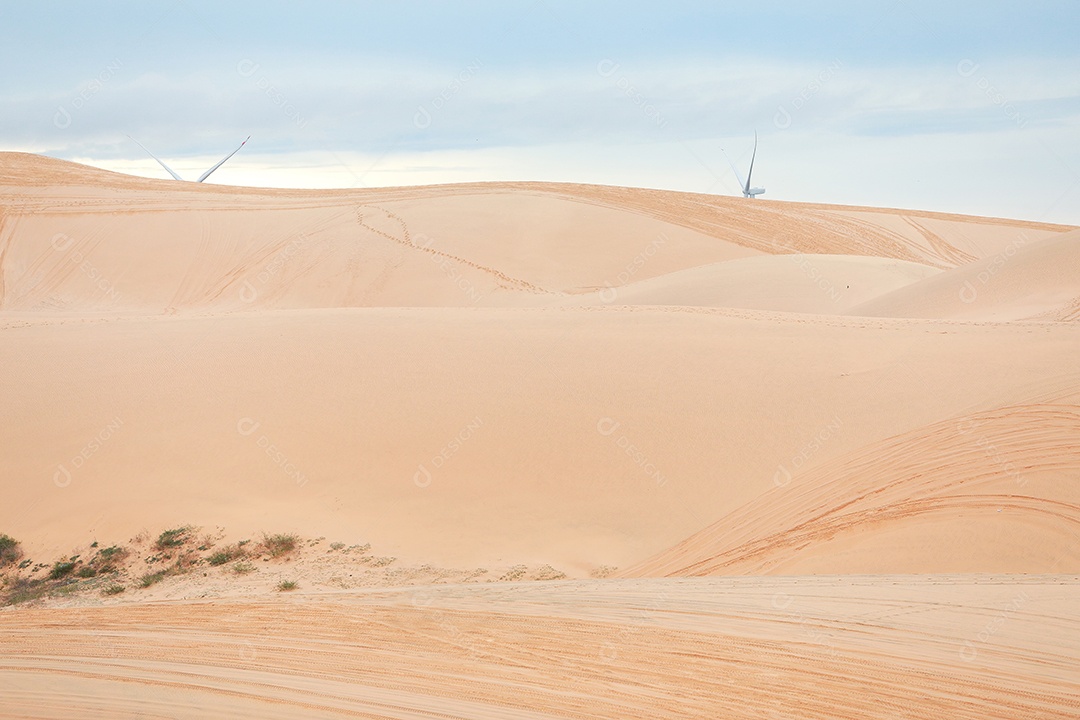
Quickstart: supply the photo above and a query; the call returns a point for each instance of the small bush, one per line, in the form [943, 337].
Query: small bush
[337, 546]
[243, 568]
[25, 591]
[108, 559]
[185, 561]
[61, 569]
[278, 545]
[113, 552]
[86, 572]
[113, 589]
[172, 538]
[151, 578]
[232, 552]
[9, 550]
[287, 585]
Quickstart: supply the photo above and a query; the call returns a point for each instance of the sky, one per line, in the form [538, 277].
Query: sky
[966, 107]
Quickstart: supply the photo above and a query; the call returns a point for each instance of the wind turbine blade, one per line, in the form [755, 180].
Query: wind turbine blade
[738, 176]
[222, 161]
[754, 155]
[167, 168]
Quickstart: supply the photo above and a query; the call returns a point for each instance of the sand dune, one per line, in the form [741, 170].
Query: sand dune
[1037, 280]
[572, 430]
[81, 239]
[794, 282]
[1010, 473]
[589, 380]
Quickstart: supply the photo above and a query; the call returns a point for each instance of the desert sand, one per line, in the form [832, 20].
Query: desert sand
[551, 451]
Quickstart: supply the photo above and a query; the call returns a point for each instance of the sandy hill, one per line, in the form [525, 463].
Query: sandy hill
[1038, 280]
[576, 375]
[775, 460]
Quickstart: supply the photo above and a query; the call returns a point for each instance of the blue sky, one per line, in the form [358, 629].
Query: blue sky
[960, 107]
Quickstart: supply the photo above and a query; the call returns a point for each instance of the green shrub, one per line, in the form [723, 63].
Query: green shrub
[151, 578]
[9, 550]
[172, 538]
[232, 552]
[185, 561]
[113, 589]
[287, 585]
[113, 552]
[108, 559]
[278, 545]
[243, 568]
[86, 572]
[61, 569]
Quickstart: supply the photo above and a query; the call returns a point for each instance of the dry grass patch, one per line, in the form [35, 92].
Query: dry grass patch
[10, 550]
[279, 545]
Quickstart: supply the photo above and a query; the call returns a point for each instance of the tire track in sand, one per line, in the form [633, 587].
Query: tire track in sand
[732, 647]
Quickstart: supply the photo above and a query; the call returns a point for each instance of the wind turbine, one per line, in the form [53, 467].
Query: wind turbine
[747, 191]
[201, 177]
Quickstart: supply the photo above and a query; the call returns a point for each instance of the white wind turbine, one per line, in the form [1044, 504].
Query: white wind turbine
[201, 177]
[747, 191]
